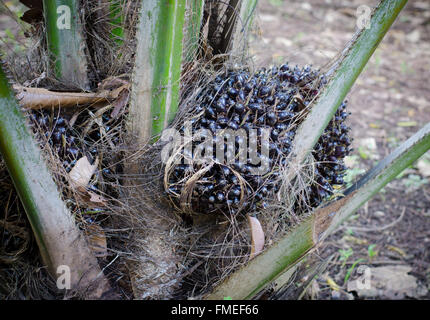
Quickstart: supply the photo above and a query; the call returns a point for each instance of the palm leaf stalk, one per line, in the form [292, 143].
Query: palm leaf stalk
[66, 44]
[157, 70]
[59, 240]
[261, 271]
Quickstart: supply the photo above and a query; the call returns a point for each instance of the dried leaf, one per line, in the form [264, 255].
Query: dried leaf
[368, 149]
[257, 236]
[397, 250]
[112, 83]
[81, 173]
[284, 41]
[97, 240]
[414, 36]
[369, 143]
[33, 3]
[32, 16]
[90, 199]
[351, 161]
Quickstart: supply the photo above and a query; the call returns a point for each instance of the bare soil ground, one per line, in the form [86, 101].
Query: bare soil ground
[389, 102]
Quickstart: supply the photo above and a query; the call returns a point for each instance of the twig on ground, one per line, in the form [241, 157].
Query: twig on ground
[390, 225]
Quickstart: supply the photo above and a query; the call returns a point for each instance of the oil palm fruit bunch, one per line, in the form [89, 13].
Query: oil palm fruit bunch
[55, 130]
[270, 102]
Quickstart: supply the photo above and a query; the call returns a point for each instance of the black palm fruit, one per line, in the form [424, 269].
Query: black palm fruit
[53, 128]
[267, 100]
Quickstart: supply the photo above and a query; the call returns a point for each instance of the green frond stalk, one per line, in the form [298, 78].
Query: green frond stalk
[157, 71]
[285, 254]
[66, 44]
[59, 240]
[236, 23]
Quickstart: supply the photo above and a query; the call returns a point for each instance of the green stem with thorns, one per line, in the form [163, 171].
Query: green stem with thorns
[116, 20]
[153, 104]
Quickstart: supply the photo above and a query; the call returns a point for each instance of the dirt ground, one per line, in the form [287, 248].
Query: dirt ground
[389, 102]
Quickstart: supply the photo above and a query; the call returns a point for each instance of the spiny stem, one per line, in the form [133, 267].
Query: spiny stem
[155, 88]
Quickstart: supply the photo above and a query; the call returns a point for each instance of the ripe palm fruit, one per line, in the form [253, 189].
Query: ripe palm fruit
[272, 100]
